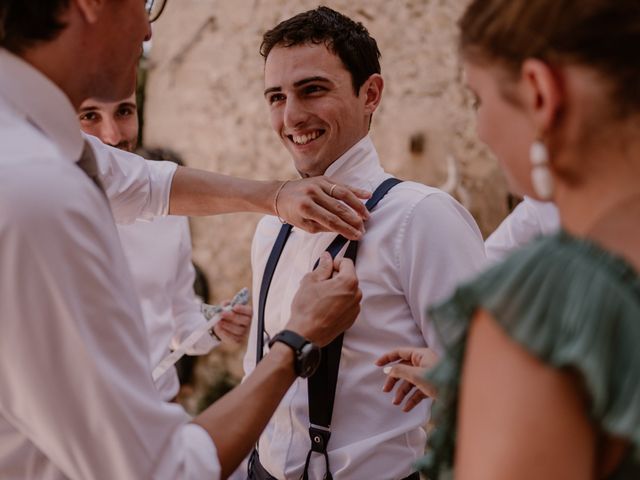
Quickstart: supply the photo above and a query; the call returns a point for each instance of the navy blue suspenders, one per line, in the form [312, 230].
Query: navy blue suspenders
[322, 384]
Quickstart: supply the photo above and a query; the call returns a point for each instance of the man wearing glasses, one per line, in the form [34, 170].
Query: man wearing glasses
[76, 397]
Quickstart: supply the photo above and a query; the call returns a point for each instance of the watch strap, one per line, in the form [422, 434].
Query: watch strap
[290, 338]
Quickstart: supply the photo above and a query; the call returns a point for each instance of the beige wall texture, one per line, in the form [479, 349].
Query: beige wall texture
[204, 99]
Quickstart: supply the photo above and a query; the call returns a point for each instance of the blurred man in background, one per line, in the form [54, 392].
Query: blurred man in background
[159, 255]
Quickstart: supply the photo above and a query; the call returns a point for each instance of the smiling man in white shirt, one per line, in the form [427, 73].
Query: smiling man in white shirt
[76, 398]
[322, 84]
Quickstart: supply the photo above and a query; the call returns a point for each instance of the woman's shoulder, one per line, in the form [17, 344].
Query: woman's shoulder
[556, 274]
[570, 303]
[559, 297]
[553, 292]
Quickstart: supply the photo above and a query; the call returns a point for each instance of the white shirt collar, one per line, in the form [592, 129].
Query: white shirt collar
[42, 102]
[359, 166]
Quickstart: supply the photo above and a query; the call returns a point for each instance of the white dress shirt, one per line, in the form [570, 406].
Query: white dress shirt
[418, 245]
[76, 396]
[529, 220]
[159, 256]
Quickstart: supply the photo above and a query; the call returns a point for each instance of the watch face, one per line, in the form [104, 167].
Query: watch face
[309, 359]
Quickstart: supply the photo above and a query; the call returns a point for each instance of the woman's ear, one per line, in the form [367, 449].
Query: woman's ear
[372, 90]
[542, 93]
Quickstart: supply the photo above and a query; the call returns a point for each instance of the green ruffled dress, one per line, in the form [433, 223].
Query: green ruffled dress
[569, 303]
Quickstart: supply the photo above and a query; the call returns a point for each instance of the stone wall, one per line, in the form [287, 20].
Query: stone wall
[204, 99]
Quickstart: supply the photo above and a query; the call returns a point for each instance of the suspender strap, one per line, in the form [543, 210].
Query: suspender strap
[334, 248]
[272, 262]
[321, 387]
[322, 384]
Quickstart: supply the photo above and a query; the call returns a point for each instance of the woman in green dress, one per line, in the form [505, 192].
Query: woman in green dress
[541, 373]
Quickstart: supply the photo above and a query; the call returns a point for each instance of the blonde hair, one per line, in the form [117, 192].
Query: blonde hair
[600, 34]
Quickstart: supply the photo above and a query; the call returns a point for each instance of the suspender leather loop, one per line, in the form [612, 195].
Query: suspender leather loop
[319, 439]
[327, 474]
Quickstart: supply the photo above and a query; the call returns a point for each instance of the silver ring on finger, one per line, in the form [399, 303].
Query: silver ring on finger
[332, 189]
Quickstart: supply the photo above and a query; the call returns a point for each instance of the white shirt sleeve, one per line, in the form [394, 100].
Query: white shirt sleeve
[137, 188]
[529, 220]
[187, 314]
[437, 253]
[74, 365]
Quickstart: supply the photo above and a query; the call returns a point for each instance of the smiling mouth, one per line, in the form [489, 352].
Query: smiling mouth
[306, 138]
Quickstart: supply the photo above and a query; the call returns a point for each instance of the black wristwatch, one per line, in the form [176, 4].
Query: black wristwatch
[307, 354]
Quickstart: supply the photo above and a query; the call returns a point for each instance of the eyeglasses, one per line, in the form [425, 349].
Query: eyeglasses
[154, 8]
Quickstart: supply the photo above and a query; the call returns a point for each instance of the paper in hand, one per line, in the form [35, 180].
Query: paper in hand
[212, 314]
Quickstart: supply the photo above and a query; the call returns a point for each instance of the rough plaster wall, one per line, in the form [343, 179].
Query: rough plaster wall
[204, 99]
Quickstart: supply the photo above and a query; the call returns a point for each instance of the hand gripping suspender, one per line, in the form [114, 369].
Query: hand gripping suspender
[322, 384]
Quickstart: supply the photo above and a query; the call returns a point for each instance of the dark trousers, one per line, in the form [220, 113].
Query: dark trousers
[258, 472]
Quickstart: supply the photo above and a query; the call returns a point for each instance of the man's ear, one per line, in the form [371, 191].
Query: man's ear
[372, 91]
[542, 94]
[90, 9]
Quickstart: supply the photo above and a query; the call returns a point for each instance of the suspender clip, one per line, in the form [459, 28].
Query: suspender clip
[319, 439]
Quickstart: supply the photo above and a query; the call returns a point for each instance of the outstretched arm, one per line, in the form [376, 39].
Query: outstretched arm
[143, 189]
[310, 204]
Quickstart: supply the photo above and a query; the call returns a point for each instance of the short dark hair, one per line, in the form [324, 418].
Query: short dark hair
[24, 23]
[348, 39]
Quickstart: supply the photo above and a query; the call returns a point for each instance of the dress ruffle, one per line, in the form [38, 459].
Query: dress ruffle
[571, 304]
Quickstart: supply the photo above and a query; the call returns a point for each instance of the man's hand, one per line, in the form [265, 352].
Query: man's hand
[318, 204]
[413, 364]
[233, 326]
[327, 302]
